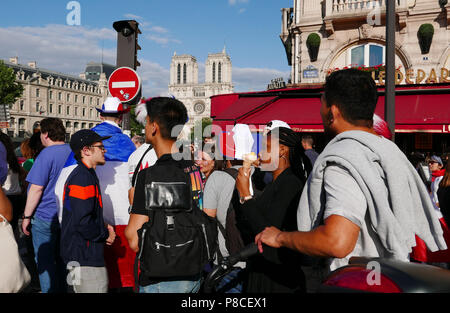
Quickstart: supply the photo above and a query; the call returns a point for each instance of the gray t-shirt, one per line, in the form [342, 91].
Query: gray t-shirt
[345, 198]
[217, 196]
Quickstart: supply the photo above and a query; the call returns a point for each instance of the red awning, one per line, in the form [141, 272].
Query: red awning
[300, 113]
[239, 108]
[418, 109]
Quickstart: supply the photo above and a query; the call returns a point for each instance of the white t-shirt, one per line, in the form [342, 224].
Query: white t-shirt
[149, 159]
[345, 198]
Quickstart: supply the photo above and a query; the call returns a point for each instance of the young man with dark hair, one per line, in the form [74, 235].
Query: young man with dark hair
[363, 198]
[41, 208]
[83, 230]
[114, 187]
[165, 119]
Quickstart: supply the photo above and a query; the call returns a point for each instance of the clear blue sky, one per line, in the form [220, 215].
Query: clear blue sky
[37, 31]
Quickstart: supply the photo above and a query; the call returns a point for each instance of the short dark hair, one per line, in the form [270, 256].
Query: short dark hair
[35, 144]
[354, 92]
[138, 139]
[54, 127]
[308, 139]
[167, 113]
[77, 155]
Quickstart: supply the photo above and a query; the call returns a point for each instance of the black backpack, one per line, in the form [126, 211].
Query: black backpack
[236, 231]
[179, 239]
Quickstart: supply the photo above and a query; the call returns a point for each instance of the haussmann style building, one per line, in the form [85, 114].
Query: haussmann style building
[320, 37]
[51, 94]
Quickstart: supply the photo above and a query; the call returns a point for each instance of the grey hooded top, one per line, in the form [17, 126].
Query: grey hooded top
[398, 203]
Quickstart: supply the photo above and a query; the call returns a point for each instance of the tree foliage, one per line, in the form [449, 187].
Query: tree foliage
[196, 136]
[135, 126]
[10, 90]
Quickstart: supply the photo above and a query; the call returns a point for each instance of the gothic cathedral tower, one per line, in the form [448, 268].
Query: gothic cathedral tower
[185, 87]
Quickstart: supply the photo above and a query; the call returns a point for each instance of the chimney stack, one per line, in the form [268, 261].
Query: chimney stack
[14, 60]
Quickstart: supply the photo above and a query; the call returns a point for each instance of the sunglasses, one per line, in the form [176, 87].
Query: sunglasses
[101, 147]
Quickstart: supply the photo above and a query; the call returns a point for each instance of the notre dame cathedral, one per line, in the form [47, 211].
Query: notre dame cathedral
[184, 84]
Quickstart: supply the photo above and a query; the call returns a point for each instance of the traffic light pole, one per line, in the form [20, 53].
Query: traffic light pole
[127, 48]
[389, 105]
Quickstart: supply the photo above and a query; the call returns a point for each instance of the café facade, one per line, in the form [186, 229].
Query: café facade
[320, 37]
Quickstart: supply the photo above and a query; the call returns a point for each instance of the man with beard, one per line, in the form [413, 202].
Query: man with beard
[363, 197]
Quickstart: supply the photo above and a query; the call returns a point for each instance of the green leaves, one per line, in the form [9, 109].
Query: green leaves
[10, 90]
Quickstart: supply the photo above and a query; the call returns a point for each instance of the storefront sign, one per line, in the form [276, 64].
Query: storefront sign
[417, 77]
[410, 76]
[276, 83]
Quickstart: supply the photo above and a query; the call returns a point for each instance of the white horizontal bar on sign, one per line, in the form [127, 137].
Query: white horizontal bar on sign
[131, 84]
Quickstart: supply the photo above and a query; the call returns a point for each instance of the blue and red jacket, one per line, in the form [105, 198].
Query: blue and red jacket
[83, 230]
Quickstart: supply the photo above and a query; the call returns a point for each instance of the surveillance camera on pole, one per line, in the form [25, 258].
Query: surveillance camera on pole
[127, 48]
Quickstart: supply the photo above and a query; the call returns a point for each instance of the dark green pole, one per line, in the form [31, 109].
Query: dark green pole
[389, 105]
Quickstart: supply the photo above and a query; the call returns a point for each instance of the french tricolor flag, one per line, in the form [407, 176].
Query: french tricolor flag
[114, 184]
[113, 176]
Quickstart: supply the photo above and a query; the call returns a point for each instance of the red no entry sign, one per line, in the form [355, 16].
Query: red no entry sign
[125, 84]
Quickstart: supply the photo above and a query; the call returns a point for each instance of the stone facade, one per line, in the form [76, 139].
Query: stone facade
[51, 94]
[185, 87]
[351, 30]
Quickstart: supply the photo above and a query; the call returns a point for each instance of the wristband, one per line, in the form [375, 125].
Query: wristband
[242, 200]
[27, 217]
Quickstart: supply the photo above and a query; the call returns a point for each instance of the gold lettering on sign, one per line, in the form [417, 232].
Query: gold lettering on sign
[409, 75]
[433, 77]
[413, 77]
[420, 76]
[381, 76]
[398, 77]
[444, 76]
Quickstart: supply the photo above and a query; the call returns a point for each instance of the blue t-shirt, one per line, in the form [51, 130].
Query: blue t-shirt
[45, 172]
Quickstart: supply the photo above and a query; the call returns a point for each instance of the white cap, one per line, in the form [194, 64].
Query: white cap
[274, 124]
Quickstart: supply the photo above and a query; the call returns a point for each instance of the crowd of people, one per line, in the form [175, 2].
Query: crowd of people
[88, 208]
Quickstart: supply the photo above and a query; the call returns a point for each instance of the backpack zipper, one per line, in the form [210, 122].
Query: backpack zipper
[206, 241]
[159, 245]
[167, 183]
[183, 244]
[142, 242]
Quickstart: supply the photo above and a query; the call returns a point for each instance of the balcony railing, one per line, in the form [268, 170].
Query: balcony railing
[358, 7]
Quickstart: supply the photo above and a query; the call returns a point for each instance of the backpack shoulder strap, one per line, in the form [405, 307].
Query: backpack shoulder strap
[136, 170]
[232, 172]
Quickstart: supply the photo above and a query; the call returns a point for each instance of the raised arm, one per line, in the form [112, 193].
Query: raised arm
[336, 238]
